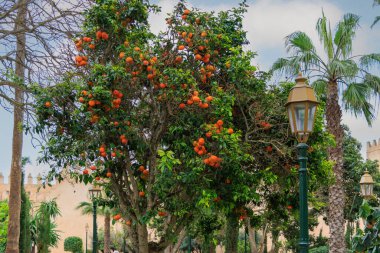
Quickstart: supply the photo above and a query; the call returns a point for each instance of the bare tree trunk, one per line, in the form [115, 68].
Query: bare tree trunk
[18, 114]
[264, 241]
[251, 236]
[107, 232]
[142, 233]
[335, 154]
[179, 242]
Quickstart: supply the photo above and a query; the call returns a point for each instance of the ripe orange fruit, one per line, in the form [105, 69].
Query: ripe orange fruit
[109, 174]
[162, 85]
[196, 99]
[182, 105]
[145, 62]
[209, 98]
[129, 60]
[124, 141]
[230, 131]
[81, 99]
[128, 223]
[85, 172]
[48, 104]
[190, 102]
[104, 36]
[121, 55]
[92, 167]
[99, 35]
[136, 49]
[186, 12]
[146, 172]
[201, 141]
[208, 134]
[141, 194]
[178, 59]
[219, 123]
[97, 178]
[198, 57]
[203, 34]
[102, 150]
[113, 154]
[204, 105]
[141, 168]
[117, 217]
[91, 103]
[181, 47]
[198, 21]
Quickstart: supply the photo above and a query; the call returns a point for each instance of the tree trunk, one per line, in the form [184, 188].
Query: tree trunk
[335, 154]
[232, 234]
[179, 242]
[13, 235]
[251, 236]
[142, 233]
[107, 232]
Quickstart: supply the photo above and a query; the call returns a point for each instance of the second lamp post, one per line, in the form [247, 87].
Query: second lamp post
[302, 107]
[94, 194]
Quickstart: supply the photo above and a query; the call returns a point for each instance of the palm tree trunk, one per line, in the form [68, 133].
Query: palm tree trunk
[18, 114]
[251, 236]
[335, 154]
[107, 232]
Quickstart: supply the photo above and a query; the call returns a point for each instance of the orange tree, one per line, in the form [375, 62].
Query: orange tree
[150, 117]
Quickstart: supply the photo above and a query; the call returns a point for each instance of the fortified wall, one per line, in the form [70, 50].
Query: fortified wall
[373, 151]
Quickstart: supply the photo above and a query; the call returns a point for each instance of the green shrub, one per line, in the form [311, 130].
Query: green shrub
[73, 244]
[323, 249]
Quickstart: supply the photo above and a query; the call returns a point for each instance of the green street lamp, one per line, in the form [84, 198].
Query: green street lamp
[366, 185]
[301, 107]
[94, 194]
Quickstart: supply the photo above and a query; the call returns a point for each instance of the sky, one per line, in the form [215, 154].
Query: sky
[267, 23]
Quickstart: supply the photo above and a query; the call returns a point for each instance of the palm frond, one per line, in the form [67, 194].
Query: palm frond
[356, 99]
[285, 66]
[373, 82]
[85, 207]
[377, 19]
[376, 2]
[298, 42]
[344, 69]
[325, 36]
[345, 33]
[369, 60]
[320, 87]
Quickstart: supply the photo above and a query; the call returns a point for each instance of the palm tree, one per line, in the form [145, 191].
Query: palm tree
[43, 230]
[105, 211]
[377, 19]
[337, 73]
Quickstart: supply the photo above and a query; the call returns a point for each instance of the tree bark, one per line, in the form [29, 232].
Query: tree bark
[335, 154]
[142, 233]
[107, 231]
[251, 236]
[179, 242]
[232, 234]
[13, 235]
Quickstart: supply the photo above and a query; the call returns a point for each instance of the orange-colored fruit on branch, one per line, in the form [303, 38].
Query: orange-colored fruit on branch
[230, 131]
[117, 217]
[182, 105]
[142, 194]
[48, 104]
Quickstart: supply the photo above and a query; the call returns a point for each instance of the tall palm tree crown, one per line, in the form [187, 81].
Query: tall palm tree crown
[338, 76]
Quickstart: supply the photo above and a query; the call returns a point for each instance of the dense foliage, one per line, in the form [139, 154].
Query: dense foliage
[73, 244]
[4, 224]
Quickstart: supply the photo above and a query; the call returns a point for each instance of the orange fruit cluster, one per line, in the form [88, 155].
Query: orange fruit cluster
[123, 139]
[265, 125]
[213, 161]
[81, 60]
[101, 35]
[199, 147]
[197, 100]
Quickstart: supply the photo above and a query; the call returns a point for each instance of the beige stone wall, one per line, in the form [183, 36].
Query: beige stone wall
[68, 196]
[373, 150]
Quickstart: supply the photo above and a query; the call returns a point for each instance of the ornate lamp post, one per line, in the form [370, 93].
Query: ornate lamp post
[94, 194]
[366, 185]
[301, 107]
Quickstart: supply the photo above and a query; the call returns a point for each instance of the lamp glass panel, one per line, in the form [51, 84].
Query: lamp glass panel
[299, 110]
[311, 115]
[290, 115]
